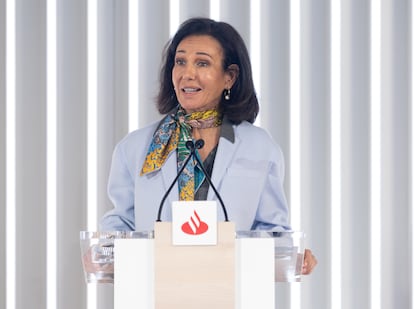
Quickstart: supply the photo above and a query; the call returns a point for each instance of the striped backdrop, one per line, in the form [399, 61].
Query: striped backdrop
[334, 79]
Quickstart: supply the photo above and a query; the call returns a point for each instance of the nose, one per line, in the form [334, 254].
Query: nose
[189, 72]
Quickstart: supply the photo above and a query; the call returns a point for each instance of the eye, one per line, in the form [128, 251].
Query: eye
[202, 63]
[179, 61]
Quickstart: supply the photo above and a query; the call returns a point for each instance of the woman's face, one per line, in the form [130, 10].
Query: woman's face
[198, 75]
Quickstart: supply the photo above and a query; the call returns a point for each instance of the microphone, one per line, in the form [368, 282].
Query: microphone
[198, 145]
[192, 146]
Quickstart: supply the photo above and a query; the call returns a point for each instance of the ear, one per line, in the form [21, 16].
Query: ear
[232, 73]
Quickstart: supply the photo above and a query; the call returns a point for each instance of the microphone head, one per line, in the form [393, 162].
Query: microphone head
[199, 143]
[189, 145]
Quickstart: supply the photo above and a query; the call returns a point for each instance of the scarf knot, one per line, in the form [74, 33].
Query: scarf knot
[172, 134]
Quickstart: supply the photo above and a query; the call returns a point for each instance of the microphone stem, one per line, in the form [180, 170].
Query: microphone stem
[226, 218]
[172, 184]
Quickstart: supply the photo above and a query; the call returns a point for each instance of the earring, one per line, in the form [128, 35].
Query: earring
[227, 94]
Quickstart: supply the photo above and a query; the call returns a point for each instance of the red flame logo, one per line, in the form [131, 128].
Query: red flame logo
[195, 226]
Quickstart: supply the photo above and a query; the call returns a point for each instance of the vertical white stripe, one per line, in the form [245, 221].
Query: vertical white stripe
[295, 112]
[92, 112]
[295, 128]
[92, 130]
[51, 248]
[133, 65]
[10, 154]
[215, 9]
[336, 205]
[255, 48]
[375, 154]
[174, 16]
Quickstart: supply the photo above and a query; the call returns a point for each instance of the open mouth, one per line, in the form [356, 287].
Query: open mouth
[191, 90]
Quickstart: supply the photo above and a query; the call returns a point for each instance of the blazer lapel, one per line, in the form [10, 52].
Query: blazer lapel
[225, 153]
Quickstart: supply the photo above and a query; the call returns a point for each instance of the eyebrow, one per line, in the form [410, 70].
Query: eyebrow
[198, 53]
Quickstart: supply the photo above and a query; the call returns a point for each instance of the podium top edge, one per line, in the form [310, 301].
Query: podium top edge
[117, 234]
[150, 234]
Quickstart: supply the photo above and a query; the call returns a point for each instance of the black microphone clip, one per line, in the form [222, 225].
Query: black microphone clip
[191, 145]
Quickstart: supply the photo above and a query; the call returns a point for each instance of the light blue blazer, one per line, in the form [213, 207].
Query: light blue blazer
[248, 174]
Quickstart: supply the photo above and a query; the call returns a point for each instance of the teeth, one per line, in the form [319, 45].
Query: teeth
[190, 89]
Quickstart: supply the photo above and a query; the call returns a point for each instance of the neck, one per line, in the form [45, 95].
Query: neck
[210, 136]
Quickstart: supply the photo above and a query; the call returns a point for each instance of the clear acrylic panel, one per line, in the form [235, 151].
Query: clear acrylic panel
[289, 251]
[97, 252]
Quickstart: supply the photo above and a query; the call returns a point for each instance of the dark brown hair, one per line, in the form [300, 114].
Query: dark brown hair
[243, 104]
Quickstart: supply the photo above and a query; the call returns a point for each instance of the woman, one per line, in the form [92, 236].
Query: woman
[206, 93]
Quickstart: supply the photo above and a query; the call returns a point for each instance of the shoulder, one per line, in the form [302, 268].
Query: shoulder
[251, 129]
[136, 142]
[257, 143]
[259, 139]
[138, 135]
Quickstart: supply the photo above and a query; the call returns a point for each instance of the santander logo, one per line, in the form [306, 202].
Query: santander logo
[194, 226]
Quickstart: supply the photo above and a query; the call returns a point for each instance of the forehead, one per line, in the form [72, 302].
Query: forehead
[200, 44]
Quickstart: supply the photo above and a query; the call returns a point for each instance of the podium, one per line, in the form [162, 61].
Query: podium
[239, 272]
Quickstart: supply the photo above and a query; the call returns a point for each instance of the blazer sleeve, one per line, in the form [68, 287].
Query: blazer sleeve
[121, 193]
[273, 212]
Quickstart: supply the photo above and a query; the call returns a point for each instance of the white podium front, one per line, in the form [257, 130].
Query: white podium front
[150, 273]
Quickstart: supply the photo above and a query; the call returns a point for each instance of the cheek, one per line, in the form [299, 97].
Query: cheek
[216, 77]
[212, 79]
[174, 77]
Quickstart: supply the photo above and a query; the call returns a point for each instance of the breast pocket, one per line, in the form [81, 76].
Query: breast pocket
[248, 169]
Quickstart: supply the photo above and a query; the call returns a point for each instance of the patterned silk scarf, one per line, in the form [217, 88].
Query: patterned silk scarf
[173, 133]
